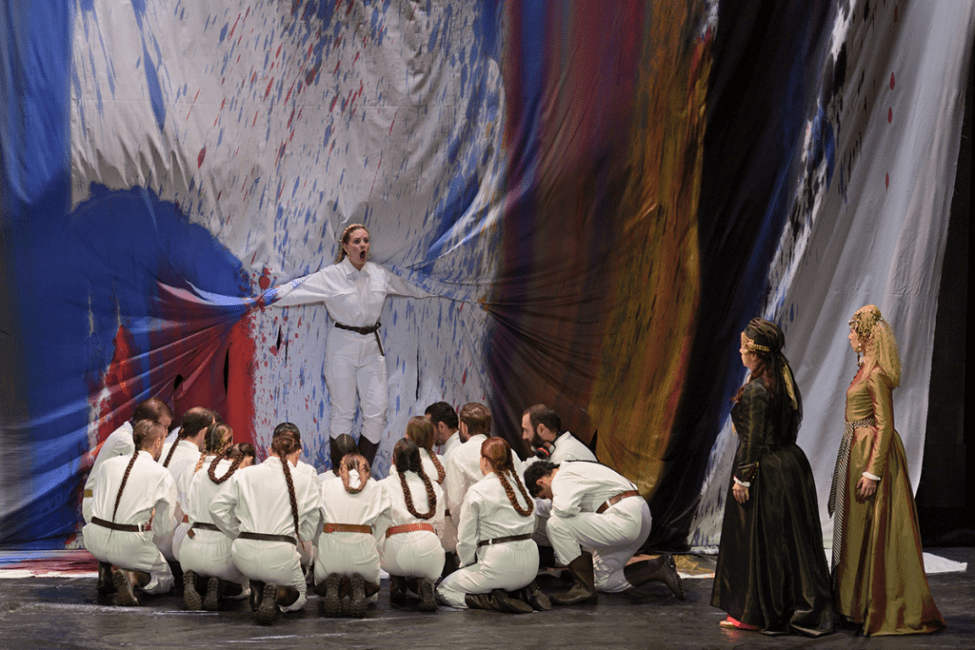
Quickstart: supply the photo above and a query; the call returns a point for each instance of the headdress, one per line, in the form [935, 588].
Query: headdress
[879, 344]
[764, 338]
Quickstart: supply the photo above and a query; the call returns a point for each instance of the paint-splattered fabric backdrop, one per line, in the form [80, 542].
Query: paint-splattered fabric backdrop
[598, 194]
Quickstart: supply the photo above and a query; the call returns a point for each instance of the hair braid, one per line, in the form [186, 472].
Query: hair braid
[524, 512]
[226, 453]
[199, 462]
[172, 450]
[431, 495]
[358, 463]
[291, 494]
[441, 472]
[125, 479]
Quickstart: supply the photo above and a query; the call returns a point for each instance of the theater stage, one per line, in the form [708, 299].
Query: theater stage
[48, 600]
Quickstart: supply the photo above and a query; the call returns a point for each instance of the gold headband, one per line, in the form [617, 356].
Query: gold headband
[752, 346]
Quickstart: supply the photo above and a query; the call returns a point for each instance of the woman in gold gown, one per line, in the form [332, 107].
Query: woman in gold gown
[878, 571]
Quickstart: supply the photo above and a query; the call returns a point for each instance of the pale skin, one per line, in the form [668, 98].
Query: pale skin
[866, 487]
[541, 434]
[357, 248]
[545, 484]
[442, 431]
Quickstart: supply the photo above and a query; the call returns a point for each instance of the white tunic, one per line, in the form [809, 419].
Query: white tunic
[150, 494]
[487, 514]
[207, 553]
[348, 553]
[256, 500]
[450, 443]
[184, 458]
[415, 554]
[118, 443]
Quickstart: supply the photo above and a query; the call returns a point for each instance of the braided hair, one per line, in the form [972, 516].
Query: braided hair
[420, 430]
[145, 433]
[285, 441]
[358, 463]
[218, 437]
[338, 448]
[498, 454]
[406, 457]
[238, 452]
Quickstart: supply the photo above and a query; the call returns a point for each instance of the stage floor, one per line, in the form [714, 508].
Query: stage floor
[58, 607]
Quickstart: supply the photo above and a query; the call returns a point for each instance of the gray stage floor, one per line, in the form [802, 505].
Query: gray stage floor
[65, 613]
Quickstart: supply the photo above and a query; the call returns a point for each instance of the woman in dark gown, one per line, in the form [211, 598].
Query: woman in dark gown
[771, 574]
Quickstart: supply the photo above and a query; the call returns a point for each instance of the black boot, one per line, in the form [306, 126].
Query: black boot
[368, 449]
[357, 596]
[106, 584]
[662, 569]
[267, 610]
[584, 590]
[331, 601]
[191, 597]
[497, 601]
[428, 603]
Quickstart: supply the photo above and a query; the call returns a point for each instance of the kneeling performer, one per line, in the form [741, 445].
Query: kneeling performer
[596, 508]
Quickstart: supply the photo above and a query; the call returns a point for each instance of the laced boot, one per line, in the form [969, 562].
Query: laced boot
[662, 569]
[257, 593]
[191, 597]
[106, 583]
[397, 590]
[584, 590]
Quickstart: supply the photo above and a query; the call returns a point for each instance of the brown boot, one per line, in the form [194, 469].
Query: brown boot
[126, 597]
[534, 596]
[331, 601]
[428, 603]
[211, 602]
[583, 592]
[357, 597]
[498, 601]
[106, 583]
[662, 569]
[267, 610]
[397, 590]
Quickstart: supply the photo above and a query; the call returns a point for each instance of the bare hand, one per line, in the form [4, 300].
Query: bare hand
[740, 493]
[866, 487]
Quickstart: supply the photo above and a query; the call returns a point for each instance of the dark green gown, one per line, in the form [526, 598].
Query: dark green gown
[771, 570]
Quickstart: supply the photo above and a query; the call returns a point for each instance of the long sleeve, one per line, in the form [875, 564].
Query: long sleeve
[467, 530]
[397, 286]
[164, 519]
[883, 407]
[222, 508]
[301, 291]
[752, 411]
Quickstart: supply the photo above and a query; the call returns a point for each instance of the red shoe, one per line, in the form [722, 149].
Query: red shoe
[732, 622]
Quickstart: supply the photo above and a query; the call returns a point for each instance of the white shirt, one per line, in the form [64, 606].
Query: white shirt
[429, 468]
[200, 490]
[255, 500]
[150, 493]
[184, 460]
[118, 443]
[450, 443]
[352, 297]
[488, 514]
[397, 513]
[363, 508]
[568, 447]
[583, 487]
[463, 465]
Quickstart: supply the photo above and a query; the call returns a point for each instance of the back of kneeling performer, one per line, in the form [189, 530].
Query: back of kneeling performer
[268, 509]
[595, 507]
[133, 497]
[497, 553]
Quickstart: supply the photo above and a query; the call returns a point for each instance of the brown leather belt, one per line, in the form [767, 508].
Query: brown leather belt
[269, 538]
[347, 528]
[128, 528]
[502, 540]
[198, 525]
[407, 528]
[612, 502]
[365, 331]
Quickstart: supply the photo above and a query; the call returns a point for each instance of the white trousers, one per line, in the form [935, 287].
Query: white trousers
[275, 562]
[208, 554]
[509, 566]
[613, 537]
[347, 554]
[130, 551]
[417, 554]
[354, 367]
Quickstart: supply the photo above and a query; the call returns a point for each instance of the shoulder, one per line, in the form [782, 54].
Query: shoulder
[879, 380]
[755, 390]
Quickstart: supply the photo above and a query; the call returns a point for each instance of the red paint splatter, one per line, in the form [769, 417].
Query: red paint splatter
[265, 280]
[356, 58]
[463, 380]
[890, 115]
[291, 117]
[199, 158]
[268, 91]
[337, 64]
[278, 53]
[240, 381]
[392, 123]
[891, 80]
[232, 29]
[334, 99]
[887, 181]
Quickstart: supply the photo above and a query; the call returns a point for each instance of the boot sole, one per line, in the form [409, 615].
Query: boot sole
[126, 597]
[191, 597]
[267, 611]
[357, 600]
[331, 603]
[427, 601]
[511, 604]
[211, 602]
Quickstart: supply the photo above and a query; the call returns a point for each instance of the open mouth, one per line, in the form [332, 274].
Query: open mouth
[362, 255]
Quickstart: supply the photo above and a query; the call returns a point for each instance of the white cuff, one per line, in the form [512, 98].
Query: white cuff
[746, 483]
[871, 476]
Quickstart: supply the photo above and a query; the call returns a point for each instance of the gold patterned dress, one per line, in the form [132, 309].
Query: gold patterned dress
[878, 570]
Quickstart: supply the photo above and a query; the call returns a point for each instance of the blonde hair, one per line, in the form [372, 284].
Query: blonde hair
[344, 239]
[879, 344]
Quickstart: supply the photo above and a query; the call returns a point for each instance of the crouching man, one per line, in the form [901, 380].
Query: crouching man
[595, 508]
[133, 498]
